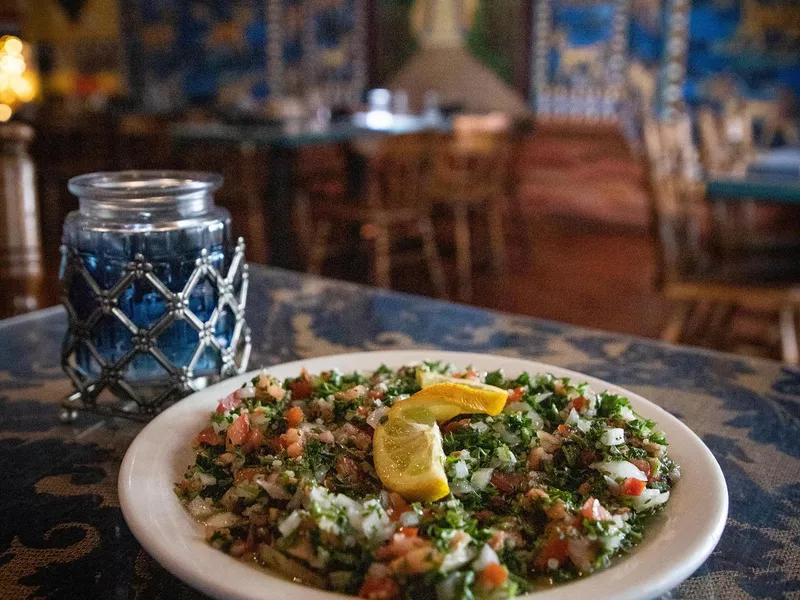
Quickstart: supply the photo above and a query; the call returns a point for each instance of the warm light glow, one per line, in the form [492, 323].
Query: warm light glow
[19, 81]
[12, 45]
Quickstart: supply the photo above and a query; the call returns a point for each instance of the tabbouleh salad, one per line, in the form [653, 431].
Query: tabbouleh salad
[548, 490]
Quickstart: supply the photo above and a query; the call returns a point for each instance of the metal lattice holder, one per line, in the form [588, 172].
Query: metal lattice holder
[132, 399]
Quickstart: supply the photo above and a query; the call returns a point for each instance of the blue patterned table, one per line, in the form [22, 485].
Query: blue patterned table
[62, 534]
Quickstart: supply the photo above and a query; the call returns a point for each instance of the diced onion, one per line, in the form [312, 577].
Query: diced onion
[409, 519]
[626, 414]
[460, 470]
[481, 478]
[374, 417]
[273, 489]
[246, 392]
[199, 508]
[649, 499]
[290, 523]
[486, 557]
[225, 519]
[205, 478]
[619, 469]
[613, 437]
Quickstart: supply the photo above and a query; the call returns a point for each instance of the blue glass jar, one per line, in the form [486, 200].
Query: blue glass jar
[151, 280]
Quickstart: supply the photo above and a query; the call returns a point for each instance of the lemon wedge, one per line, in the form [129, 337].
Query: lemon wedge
[427, 378]
[407, 446]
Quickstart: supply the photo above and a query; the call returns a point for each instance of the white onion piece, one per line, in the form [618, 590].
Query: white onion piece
[273, 489]
[290, 523]
[374, 417]
[460, 470]
[481, 478]
[613, 437]
[486, 557]
[648, 499]
[619, 469]
[246, 392]
[409, 519]
[225, 519]
[626, 414]
[199, 508]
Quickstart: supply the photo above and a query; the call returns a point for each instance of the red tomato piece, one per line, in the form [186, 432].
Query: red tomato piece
[210, 437]
[515, 395]
[294, 415]
[493, 576]
[229, 402]
[594, 511]
[633, 487]
[555, 547]
[379, 588]
[238, 430]
[644, 466]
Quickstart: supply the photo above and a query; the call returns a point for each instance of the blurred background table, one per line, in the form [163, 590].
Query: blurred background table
[63, 535]
[281, 142]
[773, 177]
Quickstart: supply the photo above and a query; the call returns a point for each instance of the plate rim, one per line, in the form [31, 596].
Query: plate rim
[220, 588]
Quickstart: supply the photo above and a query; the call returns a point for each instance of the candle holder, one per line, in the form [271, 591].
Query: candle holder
[155, 292]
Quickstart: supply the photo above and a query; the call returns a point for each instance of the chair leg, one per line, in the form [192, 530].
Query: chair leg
[497, 239]
[382, 264]
[789, 336]
[677, 320]
[463, 252]
[432, 256]
[316, 258]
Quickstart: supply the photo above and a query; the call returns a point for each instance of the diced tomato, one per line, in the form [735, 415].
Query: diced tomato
[555, 547]
[644, 466]
[294, 415]
[558, 387]
[379, 588]
[515, 395]
[506, 482]
[247, 474]
[301, 388]
[633, 487]
[409, 532]
[493, 576]
[579, 402]
[238, 430]
[229, 402]
[564, 430]
[594, 511]
[210, 437]
[254, 439]
[375, 394]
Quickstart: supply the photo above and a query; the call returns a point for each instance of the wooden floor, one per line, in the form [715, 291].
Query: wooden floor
[586, 275]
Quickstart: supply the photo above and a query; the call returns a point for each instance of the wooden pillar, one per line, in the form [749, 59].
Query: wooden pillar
[20, 242]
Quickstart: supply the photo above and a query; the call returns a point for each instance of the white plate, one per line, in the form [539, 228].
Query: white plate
[674, 546]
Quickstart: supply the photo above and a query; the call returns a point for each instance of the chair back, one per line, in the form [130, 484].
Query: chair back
[471, 164]
[398, 171]
[678, 207]
[726, 139]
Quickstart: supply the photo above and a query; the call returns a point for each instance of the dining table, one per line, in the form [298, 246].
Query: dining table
[63, 534]
[273, 214]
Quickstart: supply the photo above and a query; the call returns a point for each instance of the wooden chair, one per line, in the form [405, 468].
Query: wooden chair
[690, 278]
[471, 173]
[395, 195]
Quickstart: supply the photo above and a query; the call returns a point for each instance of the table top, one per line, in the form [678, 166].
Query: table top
[773, 176]
[63, 534]
[271, 135]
